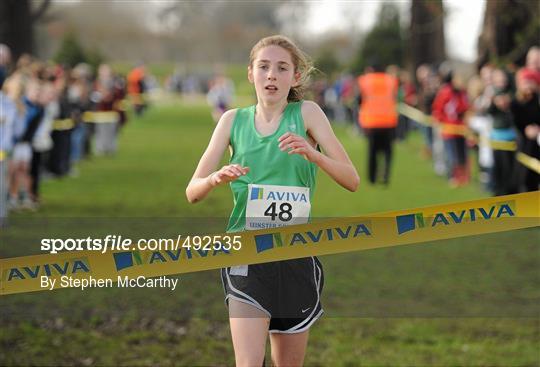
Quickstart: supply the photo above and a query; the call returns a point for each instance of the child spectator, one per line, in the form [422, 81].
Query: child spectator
[525, 108]
[503, 130]
[449, 107]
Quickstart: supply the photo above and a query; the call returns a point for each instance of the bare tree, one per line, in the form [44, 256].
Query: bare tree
[17, 21]
[510, 28]
[427, 32]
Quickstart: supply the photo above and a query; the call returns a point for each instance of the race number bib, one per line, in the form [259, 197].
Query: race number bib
[270, 206]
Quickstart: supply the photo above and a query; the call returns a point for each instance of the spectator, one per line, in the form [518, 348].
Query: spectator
[62, 110]
[104, 98]
[77, 91]
[22, 150]
[525, 108]
[481, 123]
[136, 88]
[5, 60]
[532, 66]
[428, 84]
[449, 107]
[503, 131]
[42, 141]
[8, 118]
[407, 95]
[220, 95]
[348, 97]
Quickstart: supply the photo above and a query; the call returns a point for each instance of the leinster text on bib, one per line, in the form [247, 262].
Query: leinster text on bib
[271, 206]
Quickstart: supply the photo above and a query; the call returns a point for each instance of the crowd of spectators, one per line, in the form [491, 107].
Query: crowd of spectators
[488, 118]
[54, 116]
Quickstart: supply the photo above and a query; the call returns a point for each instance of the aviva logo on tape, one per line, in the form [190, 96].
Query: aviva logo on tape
[411, 222]
[57, 268]
[268, 241]
[128, 259]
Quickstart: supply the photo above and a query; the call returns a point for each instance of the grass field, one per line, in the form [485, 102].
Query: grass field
[465, 302]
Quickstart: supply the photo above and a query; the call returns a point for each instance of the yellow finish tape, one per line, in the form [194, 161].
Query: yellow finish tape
[63, 124]
[496, 214]
[419, 116]
[509, 146]
[529, 162]
[415, 114]
[22, 274]
[3, 155]
[425, 120]
[101, 117]
[122, 105]
[494, 144]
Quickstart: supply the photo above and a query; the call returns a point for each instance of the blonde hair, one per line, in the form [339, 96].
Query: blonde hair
[14, 87]
[302, 62]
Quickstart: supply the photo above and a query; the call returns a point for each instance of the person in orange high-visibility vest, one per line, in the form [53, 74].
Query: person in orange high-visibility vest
[136, 88]
[378, 118]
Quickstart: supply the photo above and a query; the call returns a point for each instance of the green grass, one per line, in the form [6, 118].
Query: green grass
[469, 301]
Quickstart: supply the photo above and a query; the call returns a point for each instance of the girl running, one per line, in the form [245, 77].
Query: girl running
[276, 146]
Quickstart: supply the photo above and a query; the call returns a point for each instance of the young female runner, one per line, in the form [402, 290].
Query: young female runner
[276, 146]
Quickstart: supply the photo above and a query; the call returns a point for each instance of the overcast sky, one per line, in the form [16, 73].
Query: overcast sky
[462, 26]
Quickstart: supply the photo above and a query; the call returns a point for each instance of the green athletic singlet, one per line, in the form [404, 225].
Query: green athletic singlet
[279, 187]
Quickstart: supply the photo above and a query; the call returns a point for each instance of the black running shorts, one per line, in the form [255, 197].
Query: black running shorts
[288, 291]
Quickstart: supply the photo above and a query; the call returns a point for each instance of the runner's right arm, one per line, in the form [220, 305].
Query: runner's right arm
[206, 177]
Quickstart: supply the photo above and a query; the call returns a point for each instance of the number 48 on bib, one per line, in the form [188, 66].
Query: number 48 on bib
[270, 206]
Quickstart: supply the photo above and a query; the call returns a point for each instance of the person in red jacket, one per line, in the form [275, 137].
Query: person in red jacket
[449, 107]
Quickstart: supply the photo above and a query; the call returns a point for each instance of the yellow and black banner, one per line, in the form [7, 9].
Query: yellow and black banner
[496, 214]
